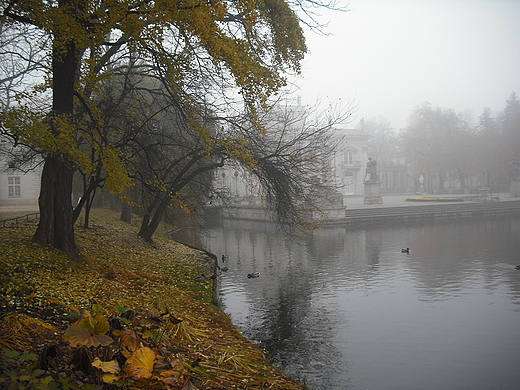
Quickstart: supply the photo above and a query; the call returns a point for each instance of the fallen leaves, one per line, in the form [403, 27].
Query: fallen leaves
[77, 336]
[140, 364]
[89, 331]
[111, 366]
[143, 282]
[110, 369]
[130, 340]
[17, 330]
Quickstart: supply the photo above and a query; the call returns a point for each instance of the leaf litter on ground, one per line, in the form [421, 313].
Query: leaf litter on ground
[186, 341]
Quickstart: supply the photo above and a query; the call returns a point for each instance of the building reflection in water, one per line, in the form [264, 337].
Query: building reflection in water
[347, 309]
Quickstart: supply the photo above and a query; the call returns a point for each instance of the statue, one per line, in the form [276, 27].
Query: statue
[372, 184]
[371, 170]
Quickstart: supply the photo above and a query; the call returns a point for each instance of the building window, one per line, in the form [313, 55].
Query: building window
[349, 158]
[349, 183]
[14, 186]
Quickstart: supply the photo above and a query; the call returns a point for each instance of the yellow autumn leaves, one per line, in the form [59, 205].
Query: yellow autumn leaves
[140, 365]
[110, 369]
[117, 175]
[90, 331]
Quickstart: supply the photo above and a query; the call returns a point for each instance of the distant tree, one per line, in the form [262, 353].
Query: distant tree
[384, 142]
[439, 141]
[488, 149]
[22, 61]
[487, 124]
[511, 128]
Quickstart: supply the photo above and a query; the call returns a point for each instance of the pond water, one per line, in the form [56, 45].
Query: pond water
[348, 310]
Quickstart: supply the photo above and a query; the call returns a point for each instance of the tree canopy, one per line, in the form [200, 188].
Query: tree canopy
[202, 54]
[441, 142]
[438, 141]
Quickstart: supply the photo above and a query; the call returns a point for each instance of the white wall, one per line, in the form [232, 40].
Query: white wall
[29, 187]
[350, 162]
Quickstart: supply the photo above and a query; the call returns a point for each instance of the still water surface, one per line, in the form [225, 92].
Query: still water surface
[348, 310]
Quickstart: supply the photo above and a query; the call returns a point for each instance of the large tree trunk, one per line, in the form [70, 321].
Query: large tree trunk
[56, 227]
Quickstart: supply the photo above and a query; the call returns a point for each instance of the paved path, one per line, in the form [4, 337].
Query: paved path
[7, 212]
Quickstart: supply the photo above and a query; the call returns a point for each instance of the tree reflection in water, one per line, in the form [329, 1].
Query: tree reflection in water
[347, 309]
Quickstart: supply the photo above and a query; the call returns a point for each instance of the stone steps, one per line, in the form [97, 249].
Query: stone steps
[428, 212]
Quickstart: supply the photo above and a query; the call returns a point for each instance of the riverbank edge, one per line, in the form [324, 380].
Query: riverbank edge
[244, 366]
[403, 211]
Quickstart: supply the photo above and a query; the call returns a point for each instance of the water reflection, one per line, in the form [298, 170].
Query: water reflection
[349, 310]
[373, 246]
[278, 309]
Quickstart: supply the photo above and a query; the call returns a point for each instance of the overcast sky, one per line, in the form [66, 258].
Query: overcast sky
[392, 55]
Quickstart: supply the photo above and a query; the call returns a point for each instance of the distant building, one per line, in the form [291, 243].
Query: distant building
[394, 176]
[350, 161]
[18, 188]
[233, 180]
[349, 164]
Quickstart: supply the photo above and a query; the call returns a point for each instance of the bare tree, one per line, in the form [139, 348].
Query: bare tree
[23, 61]
[288, 150]
[291, 165]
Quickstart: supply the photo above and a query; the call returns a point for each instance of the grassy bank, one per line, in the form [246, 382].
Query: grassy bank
[132, 315]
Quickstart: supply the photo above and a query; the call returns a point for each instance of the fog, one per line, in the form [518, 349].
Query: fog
[390, 56]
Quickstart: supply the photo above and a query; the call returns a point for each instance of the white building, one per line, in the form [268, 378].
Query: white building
[349, 167]
[350, 161]
[18, 188]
